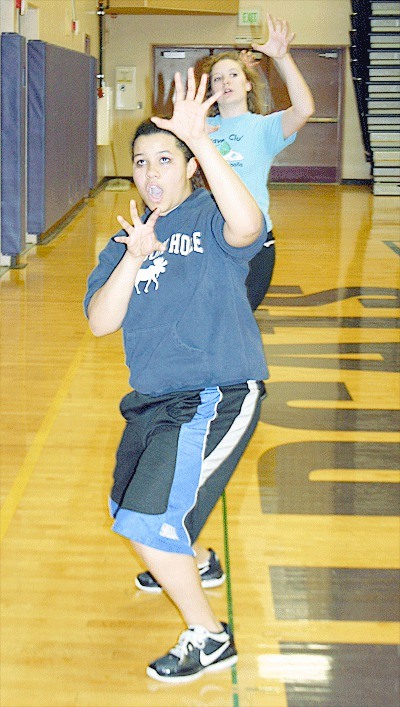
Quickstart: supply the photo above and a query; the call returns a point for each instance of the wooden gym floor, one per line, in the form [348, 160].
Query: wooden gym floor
[308, 529]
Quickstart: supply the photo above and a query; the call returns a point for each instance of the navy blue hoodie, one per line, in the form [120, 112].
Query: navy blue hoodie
[189, 324]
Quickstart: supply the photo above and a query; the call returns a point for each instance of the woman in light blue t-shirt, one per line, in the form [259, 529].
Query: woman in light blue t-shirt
[249, 140]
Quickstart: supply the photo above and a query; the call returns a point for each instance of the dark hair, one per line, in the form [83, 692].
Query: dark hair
[254, 96]
[147, 127]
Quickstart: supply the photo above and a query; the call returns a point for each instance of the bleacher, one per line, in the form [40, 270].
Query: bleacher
[375, 66]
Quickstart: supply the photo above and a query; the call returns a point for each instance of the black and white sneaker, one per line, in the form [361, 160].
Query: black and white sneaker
[211, 573]
[198, 651]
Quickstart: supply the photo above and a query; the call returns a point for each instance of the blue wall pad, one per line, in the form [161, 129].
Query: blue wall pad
[61, 132]
[13, 123]
[92, 124]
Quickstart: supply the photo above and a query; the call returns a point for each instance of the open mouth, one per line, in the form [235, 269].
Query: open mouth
[155, 192]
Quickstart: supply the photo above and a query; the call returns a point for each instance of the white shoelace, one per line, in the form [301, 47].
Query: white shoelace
[204, 567]
[195, 637]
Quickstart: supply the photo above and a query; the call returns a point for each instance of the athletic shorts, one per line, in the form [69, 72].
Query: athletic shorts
[176, 455]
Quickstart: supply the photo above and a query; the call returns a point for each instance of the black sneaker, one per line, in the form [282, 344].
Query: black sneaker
[211, 573]
[198, 651]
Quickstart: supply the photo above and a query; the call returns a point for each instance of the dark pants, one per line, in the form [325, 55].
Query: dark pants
[259, 278]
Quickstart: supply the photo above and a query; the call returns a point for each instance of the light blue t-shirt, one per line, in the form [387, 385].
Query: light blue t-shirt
[249, 143]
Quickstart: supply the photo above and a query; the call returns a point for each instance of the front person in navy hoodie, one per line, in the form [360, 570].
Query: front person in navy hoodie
[174, 281]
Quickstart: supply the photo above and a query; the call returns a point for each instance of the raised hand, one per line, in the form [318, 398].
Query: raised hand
[248, 58]
[141, 239]
[188, 120]
[279, 39]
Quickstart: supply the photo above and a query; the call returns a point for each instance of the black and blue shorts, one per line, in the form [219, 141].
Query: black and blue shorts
[176, 455]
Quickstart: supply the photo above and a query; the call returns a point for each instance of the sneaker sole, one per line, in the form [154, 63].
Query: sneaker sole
[206, 584]
[214, 582]
[222, 665]
[149, 590]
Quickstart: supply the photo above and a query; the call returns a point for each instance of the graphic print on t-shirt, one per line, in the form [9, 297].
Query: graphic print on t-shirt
[227, 153]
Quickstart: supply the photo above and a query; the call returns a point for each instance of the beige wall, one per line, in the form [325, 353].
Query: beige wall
[129, 39]
[55, 23]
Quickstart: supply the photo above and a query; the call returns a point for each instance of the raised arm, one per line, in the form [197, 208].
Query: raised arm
[243, 218]
[109, 304]
[277, 47]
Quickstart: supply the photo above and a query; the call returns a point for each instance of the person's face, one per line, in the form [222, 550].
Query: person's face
[228, 76]
[160, 172]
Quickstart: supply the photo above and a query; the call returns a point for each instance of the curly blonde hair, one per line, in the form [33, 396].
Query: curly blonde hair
[254, 96]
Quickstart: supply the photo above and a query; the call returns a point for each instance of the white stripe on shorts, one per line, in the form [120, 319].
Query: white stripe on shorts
[233, 436]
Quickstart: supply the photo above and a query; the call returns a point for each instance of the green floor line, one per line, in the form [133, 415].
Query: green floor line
[229, 593]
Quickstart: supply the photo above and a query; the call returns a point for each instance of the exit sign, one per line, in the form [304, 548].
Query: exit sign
[249, 17]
